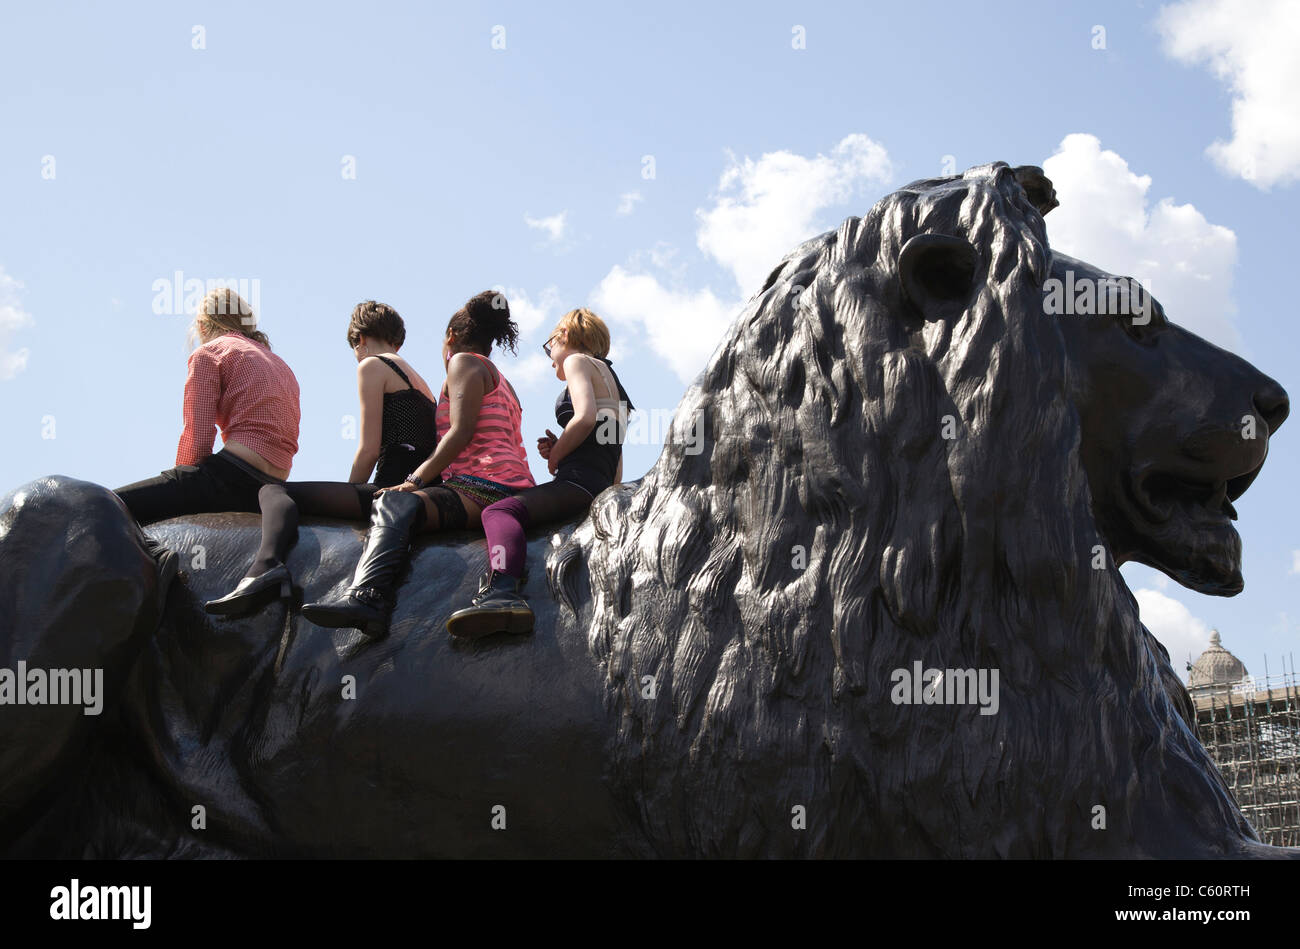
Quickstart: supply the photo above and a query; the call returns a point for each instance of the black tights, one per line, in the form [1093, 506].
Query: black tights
[281, 505]
[448, 510]
[554, 501]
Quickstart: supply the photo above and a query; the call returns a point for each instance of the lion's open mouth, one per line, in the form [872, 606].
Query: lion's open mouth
[1162, 494]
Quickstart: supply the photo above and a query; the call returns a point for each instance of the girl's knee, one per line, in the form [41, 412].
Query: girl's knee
[270, 493]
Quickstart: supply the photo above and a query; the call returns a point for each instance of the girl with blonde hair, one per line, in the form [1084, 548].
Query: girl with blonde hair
[234, 384]
[398, 430]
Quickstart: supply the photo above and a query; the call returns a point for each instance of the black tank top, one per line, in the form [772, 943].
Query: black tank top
[601, 450]
[409, 434]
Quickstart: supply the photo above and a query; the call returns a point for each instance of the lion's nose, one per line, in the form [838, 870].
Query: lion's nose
[1273, 405]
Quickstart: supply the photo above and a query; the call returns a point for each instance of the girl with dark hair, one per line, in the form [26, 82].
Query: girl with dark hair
[480, 458]
[397, 430]
[586, 459]
[236, 384]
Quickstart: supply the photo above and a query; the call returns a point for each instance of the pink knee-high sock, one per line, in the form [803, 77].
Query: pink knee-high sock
[503, 526]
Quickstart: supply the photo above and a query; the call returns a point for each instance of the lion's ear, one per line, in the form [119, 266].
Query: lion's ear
[937, 274]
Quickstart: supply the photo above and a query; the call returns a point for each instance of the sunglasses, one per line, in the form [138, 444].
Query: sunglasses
[546, 347]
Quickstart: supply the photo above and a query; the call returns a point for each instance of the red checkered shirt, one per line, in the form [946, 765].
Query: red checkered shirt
[247, 390]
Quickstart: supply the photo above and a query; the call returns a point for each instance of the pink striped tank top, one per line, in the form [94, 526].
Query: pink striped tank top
[496, 452]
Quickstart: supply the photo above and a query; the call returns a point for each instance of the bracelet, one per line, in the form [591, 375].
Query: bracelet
[415, 479]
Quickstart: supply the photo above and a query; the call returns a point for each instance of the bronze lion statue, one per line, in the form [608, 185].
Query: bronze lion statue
[866, 603]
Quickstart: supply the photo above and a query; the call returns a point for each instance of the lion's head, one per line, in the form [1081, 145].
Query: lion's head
[1174, 430]
[906, 459]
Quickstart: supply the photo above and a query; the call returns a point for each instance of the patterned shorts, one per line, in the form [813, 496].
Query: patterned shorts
[479, 490]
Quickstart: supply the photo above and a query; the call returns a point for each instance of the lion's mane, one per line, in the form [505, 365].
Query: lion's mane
[828, 533]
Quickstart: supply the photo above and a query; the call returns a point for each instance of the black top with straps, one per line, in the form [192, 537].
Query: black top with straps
[593, 465]
[409, 433]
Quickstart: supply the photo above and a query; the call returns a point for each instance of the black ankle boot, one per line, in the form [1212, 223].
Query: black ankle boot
[395, 517]
[496, 608]
[253, 592]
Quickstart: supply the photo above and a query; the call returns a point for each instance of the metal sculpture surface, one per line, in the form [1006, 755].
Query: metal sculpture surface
[902, 460]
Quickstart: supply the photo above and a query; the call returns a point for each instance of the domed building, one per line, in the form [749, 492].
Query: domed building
[1251, 728]
[1216, 669]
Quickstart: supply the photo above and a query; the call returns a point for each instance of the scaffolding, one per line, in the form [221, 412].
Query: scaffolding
[1252, 731]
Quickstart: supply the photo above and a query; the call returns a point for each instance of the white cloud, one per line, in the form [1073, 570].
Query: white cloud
[764, 208]
[1251, 46]
[554, 226]
[12, 318]
[531, 314]
[760, 212]
[628, 201]
[663, 257]
[529, 369]
[682, 326]
[1295, 562]
[1105, 219]
[1174, 625]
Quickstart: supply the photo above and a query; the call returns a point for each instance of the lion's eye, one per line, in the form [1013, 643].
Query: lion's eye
[1135, 310]
[1143, 323]
[1136, 328]
[1141, 329]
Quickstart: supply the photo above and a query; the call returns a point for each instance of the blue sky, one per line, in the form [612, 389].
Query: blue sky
[213, 139]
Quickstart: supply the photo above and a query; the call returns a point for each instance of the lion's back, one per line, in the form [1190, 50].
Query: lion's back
[418, 740]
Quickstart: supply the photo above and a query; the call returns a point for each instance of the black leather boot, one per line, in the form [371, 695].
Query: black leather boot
[497, 608]
[253, 593]
[395, 516]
